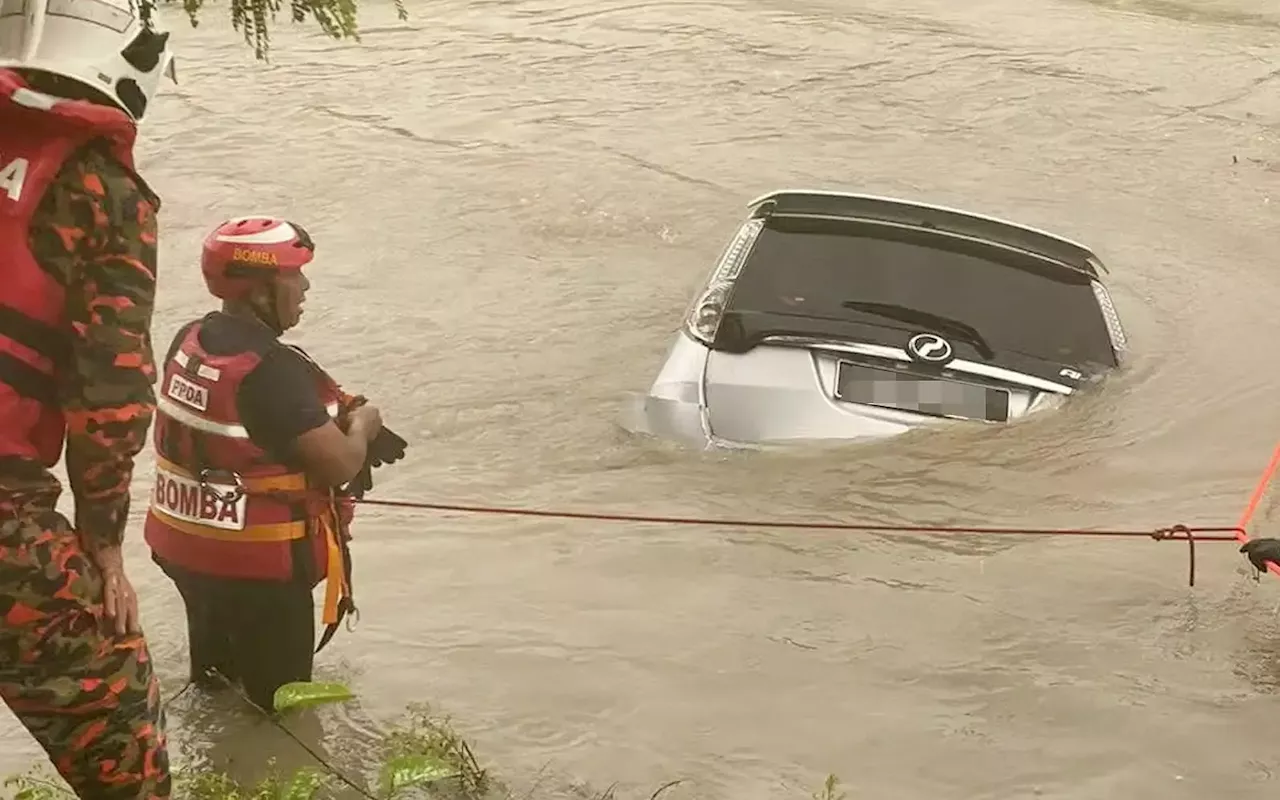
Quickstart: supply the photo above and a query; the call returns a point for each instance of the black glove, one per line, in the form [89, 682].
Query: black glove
[386, 448]
[1260, 551]
[361, 483]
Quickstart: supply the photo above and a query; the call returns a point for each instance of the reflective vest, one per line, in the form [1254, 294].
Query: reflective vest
[221, 506]
[37, 135]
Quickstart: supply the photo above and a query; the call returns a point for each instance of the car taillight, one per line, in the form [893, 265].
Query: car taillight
[703, 318]
[1114, 329]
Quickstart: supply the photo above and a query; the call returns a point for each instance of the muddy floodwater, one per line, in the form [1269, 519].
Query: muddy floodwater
[513, 202]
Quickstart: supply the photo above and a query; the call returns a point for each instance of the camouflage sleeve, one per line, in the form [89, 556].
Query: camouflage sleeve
[95, 230]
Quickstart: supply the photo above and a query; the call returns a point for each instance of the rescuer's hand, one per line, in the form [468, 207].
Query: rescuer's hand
[119, 601]
[367, 420]
[348, 403]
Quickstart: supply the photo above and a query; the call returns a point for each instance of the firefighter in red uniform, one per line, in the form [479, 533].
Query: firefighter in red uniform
[258, 456]
[78, 249]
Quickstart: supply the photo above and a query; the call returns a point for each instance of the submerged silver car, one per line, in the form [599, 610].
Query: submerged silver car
[842, 316]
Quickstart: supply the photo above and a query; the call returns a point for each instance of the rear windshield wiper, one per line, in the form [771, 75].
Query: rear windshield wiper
[924, 319]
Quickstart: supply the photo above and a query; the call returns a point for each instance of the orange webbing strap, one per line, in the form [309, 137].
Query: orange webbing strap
[337, 589]
[336, 580]
[266, 484]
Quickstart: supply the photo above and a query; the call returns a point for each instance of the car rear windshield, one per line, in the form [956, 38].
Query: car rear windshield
[811, 268]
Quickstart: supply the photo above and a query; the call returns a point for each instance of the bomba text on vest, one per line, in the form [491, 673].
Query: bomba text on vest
[185, 499]
[248, 256]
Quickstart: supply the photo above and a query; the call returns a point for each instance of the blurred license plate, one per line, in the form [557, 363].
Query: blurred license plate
[886, 388]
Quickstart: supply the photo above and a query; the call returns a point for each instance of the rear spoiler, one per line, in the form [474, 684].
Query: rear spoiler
[904, 213]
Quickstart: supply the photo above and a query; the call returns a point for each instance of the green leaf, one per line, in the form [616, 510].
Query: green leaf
[205, 784]
[303, 693]
[304, 785]
[32, 787]
[415, 770]
[37, 792]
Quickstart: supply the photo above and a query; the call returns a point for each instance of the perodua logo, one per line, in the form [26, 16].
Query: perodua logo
[929, 348]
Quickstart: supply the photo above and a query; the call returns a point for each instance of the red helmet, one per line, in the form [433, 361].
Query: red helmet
[246, 252]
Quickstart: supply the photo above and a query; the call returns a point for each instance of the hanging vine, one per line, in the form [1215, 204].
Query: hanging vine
[254, 18]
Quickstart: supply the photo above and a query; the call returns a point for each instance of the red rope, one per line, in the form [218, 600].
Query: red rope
[1238, 533]
[1200, 534]
[1190, 535]
[1254, 500]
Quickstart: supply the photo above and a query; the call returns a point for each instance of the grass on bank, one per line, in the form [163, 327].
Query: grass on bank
[420, 757]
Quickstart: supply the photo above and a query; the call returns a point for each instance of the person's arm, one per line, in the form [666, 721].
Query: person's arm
[95, 230]
[283, 413]
[331, 456]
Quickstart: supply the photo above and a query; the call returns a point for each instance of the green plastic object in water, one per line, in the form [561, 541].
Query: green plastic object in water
[302, 694]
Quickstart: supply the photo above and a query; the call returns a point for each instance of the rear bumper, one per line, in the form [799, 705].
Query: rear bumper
[674, 407]
[770, 395]
[664, 418]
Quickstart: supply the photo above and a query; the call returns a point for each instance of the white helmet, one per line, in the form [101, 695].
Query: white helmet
[101, 44]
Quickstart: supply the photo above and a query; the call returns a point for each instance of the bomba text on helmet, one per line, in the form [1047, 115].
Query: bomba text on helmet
[240, 253]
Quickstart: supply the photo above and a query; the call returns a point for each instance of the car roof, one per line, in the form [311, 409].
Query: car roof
[923, 216]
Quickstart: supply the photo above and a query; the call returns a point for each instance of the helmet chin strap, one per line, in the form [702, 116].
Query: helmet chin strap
[269, 316]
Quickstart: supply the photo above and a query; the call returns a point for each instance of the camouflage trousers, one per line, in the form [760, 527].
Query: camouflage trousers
[89, 697]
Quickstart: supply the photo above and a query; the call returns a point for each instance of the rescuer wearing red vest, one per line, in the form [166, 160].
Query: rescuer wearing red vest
[78, 248]
[253, 441]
